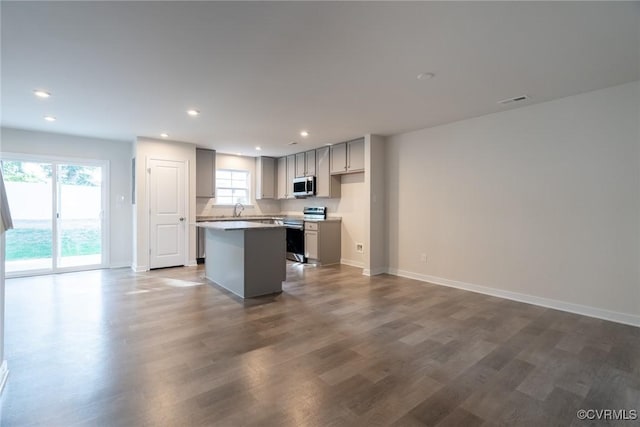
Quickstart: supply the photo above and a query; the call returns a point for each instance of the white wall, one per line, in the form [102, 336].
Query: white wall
[117, 153]
[4, 370]
[376, 253]
[207, 207]
[540, 203]
[350, 206]
[147, 148]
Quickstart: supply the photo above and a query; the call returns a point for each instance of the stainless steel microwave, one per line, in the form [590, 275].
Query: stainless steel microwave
[304, 187]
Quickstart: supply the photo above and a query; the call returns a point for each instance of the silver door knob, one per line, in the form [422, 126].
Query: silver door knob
[181, 218]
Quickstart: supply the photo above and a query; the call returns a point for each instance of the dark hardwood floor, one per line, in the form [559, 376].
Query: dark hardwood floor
[165, 348]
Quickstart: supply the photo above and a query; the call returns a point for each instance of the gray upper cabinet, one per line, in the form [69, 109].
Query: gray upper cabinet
[300, 165]
[265, 178]
[347, 157]
[282, 187]
[291, 173]
[355, 155]
[338, 158]
[306, 164]
[327, 185]
[310, 162]
[205, 173]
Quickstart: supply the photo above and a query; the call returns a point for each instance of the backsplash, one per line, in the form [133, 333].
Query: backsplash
[206, 207]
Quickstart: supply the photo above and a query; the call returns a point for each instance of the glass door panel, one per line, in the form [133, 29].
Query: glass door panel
[79, 215]
[29, 246]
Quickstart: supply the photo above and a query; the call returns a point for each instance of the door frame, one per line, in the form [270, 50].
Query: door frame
[106, 219]
[147, 201]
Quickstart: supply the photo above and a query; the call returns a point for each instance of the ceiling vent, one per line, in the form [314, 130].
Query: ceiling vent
[516, 99]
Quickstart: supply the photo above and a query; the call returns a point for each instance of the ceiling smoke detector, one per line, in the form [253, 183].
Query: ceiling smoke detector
[516, 99]
[293, 142]
[425, 76]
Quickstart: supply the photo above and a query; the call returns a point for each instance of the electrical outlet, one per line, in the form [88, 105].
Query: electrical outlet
[359, 248]
[423, 258]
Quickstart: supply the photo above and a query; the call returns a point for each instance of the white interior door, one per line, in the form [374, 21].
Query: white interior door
[167, 219]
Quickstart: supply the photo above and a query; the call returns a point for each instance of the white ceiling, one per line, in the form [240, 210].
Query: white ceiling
[262, 72]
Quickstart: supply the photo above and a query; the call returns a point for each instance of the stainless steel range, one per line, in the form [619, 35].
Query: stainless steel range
[295, 231]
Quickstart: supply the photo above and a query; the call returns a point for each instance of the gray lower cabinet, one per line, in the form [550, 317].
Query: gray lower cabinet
[205, 173]
[322, 242]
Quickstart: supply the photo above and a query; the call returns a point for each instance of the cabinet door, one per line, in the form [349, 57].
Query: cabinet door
[265, 178]
[322, 172]
[291, 173]
[338, 158]
[310, 163]
[282, 178]
[300, 165]
[311, 244]
[355, 155]
[327, 185]
[205, 173]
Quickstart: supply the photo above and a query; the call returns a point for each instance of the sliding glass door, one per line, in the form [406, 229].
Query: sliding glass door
[29, 246]
[79, 215]
[58, 214]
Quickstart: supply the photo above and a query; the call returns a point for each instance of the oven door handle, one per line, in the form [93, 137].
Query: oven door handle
[295, 227]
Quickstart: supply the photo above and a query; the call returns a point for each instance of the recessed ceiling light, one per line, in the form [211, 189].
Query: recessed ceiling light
[258, 148]
[41, 93]
[425, 76]
[304, 133]
[164, 135]
[193, 112]
[293, 142]
[50, 118]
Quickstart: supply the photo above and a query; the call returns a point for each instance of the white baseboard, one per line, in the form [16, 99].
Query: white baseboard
[192, 263]
[120, 266]
[4, 373]
[352, 263]
[139, 268]
[374, 271]
[614, 316]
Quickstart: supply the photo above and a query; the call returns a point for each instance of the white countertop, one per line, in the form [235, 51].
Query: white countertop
[233, 218]
[329, 218]
[236, 225]
[200, 219]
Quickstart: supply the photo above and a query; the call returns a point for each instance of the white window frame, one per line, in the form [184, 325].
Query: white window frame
[248, 188]
[106, 217]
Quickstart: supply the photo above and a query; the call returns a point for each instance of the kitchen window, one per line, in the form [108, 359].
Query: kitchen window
[232, 186]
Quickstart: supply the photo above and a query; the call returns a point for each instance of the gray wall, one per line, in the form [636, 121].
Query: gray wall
[540, 203]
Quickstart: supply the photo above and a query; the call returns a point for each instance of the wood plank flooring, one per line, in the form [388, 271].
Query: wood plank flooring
[166, 348]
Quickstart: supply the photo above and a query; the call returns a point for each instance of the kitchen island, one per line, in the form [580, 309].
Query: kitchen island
[246, 258]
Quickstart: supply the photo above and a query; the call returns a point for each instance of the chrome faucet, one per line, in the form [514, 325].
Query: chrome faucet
[237, 210]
